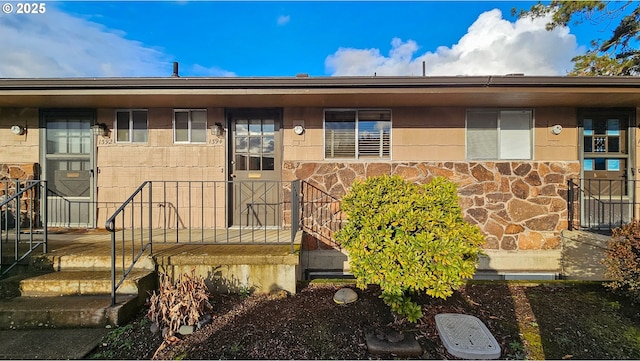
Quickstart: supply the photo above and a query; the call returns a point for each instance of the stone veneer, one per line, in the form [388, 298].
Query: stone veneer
[517, 205]
[21, 173]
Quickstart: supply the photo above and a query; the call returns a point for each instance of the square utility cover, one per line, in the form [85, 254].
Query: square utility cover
[466, 336]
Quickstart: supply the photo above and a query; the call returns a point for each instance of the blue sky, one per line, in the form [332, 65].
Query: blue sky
[265, 38]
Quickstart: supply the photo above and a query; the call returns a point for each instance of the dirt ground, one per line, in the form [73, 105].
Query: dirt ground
[549, 321]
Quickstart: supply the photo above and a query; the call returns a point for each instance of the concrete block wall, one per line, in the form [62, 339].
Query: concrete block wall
[122, 167]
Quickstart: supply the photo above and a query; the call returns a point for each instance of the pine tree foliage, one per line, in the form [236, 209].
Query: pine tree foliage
[615, 55]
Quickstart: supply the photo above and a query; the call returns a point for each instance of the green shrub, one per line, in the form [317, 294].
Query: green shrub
[408, 238]
[622, 259]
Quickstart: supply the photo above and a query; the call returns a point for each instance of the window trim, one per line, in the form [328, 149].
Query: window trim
[130, 129]
[357, 155]
[532, 122]
[189, 125]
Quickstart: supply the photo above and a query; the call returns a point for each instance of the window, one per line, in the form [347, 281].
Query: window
[357, 134]
[499, 134]
[190, 126]
[604, 143]
[131, 126]
[254, 144]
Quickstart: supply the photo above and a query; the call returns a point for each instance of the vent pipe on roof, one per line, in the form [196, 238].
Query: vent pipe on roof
[424, 68]
[175, 70]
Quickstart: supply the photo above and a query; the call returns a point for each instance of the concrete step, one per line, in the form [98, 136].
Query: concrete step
[10, 286]
[86, 282]
[93, 261]
[66, 311]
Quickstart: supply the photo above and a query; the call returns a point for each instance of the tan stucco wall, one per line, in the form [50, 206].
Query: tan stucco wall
[19, 148]
[418, 134]
[551, 147]
[309, 145]
[434, 134]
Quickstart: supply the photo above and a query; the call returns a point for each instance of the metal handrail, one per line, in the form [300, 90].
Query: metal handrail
[190, 212]
[607, 207]
[33, 187]
[110, 226]
[321, 213]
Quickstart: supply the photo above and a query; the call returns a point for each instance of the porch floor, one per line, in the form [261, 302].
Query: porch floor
[97, 242]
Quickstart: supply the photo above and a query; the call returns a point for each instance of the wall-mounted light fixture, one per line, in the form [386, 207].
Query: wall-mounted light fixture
[100, 129]
[217, 129]
[18, 129]
[556, 129]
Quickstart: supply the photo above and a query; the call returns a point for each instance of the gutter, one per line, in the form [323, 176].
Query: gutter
[374, 82]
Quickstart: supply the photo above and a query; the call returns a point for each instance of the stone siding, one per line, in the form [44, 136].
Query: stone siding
[9, 174]
[21, 172]
[517, 205]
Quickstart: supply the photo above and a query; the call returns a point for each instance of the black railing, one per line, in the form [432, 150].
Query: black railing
[136, 246]
[21, 219]
[601, 204]
[201, 212]
[321, 213]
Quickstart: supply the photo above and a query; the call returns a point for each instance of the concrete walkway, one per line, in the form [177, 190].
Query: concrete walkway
[49, 344]
[582, 255]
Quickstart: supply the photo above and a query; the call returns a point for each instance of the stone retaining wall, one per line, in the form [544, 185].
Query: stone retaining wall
[517, 205]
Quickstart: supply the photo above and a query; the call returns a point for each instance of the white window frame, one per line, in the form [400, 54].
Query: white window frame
[189, 126]
[357, 154]
[502, 142]
[131, 125]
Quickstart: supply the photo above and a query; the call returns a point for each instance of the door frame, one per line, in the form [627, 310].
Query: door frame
[91, 116]
[631, 169]
[231, 114]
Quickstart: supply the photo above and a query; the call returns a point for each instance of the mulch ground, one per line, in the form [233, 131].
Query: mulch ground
[527, 321]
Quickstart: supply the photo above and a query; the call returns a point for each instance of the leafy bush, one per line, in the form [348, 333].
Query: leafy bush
[182, 303]
[408, 238]
[622, 259]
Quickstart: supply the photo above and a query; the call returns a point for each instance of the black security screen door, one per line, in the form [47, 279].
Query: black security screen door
[68, 167]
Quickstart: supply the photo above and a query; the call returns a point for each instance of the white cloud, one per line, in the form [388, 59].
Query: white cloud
[492, 46]
[283, 19]
[199, 70]
[56, 44]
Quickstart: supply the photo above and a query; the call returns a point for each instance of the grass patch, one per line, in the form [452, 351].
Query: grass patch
[584, 322]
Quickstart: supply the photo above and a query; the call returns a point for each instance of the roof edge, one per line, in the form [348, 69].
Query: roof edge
[314, 82]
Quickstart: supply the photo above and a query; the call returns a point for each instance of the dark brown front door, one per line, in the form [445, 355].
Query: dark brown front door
[607, 166]
[255, 167]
